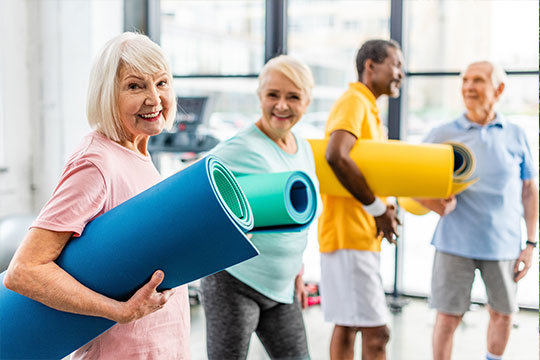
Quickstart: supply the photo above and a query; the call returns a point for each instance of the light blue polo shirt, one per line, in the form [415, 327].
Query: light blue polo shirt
[272, 273]
[486, 223]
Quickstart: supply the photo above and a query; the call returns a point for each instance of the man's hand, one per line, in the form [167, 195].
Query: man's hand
[524, 258]
[387, 224]
[440, 206]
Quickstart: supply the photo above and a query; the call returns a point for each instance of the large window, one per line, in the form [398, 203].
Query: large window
[446, 35]
[326, 34]
[217, 37]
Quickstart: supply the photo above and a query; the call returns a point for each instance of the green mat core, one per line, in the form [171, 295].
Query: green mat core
[229, 193]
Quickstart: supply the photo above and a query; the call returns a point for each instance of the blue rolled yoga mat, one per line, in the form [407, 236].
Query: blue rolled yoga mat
[281, 202]
[190, 225]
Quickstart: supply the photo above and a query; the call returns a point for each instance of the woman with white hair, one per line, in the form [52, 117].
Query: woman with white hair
[130, 98]
[265, 294]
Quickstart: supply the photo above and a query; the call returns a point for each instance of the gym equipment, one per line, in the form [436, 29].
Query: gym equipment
[281, 202]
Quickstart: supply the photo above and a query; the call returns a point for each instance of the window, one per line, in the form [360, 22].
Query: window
[327, 35]
[213, 37]
[447, 35]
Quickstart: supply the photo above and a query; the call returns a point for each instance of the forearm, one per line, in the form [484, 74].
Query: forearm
[347, 172]
[432, 204]
[350, 176]
[55, 288]
[34, 274]
[530, 208]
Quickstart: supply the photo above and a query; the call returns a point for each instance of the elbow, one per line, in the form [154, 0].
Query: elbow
[335, 159]
[11, 278]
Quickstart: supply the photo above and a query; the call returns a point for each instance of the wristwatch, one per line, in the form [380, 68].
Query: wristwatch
[532, 243]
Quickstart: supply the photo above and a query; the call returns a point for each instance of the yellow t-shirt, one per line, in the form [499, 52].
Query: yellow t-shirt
[344, 224]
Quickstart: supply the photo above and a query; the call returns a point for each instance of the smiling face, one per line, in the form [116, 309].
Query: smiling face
[144, 102]
[388, 74]
[282, 103]
[479, 92]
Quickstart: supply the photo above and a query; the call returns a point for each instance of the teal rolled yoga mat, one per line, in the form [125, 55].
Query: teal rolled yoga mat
[190, 225]
[281, 202]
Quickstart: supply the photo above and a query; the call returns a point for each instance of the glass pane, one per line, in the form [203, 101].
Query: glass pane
[432, 101]
[217, 37]
[446, 35]
[327, 35]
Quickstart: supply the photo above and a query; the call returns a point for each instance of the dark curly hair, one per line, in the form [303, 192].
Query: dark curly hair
[375, 50]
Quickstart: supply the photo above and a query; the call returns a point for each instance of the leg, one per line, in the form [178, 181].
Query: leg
[374, 340]
[231, 317]
[501, 291]
[451, 284]
[498, 331]
[443, 335]
[282, 332]
[342, 343]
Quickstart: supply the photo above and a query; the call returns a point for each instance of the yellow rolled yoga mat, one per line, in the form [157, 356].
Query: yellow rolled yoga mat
[400, 169]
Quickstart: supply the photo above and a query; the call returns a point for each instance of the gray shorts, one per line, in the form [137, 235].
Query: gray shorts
[452, 279]
[234, 311]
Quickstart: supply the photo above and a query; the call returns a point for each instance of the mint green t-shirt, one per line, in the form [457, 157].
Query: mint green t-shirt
[272, 273]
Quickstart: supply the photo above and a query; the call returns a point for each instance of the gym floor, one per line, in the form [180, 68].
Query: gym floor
[411, 334]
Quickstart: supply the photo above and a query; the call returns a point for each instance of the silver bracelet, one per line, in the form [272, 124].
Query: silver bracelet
[376, 208]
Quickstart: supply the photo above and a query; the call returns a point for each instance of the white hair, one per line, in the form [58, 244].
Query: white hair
[131, 50]
[295, 70]
[498, 75]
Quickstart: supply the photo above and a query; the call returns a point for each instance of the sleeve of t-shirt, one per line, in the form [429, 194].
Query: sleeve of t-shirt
[241, 156]
[528, 168]
[433, 137]
[78, 198]
[348, 116]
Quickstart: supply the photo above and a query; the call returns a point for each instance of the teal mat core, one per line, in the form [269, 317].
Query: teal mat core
[228, 194]
[231, 194]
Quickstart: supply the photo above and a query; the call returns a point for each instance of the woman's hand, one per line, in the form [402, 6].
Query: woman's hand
[146, 300]
[301, 291]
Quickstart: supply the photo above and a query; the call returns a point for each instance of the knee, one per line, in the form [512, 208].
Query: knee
[446, 323]
[378, 339]
[500, 318]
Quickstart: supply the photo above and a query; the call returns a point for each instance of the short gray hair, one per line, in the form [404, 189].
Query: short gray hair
[131, 50]
[295, 70]
[498, 75]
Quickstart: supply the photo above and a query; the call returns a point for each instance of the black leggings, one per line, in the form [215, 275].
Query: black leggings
[234, 311]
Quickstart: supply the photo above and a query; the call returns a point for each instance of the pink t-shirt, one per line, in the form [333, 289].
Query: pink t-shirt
[100, 175]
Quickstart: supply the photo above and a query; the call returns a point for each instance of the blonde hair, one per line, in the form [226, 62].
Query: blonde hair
[295, 70]
[128, 50]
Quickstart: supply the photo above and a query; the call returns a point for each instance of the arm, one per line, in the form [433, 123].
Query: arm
[33, 273]
[529, 197]
[337, 154]
[440, 206]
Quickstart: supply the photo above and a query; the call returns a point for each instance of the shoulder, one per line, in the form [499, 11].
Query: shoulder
[443, 132]
[242, 152]
[99, 152]
[515, 130]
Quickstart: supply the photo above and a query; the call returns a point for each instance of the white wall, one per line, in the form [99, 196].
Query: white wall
[47, 50]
